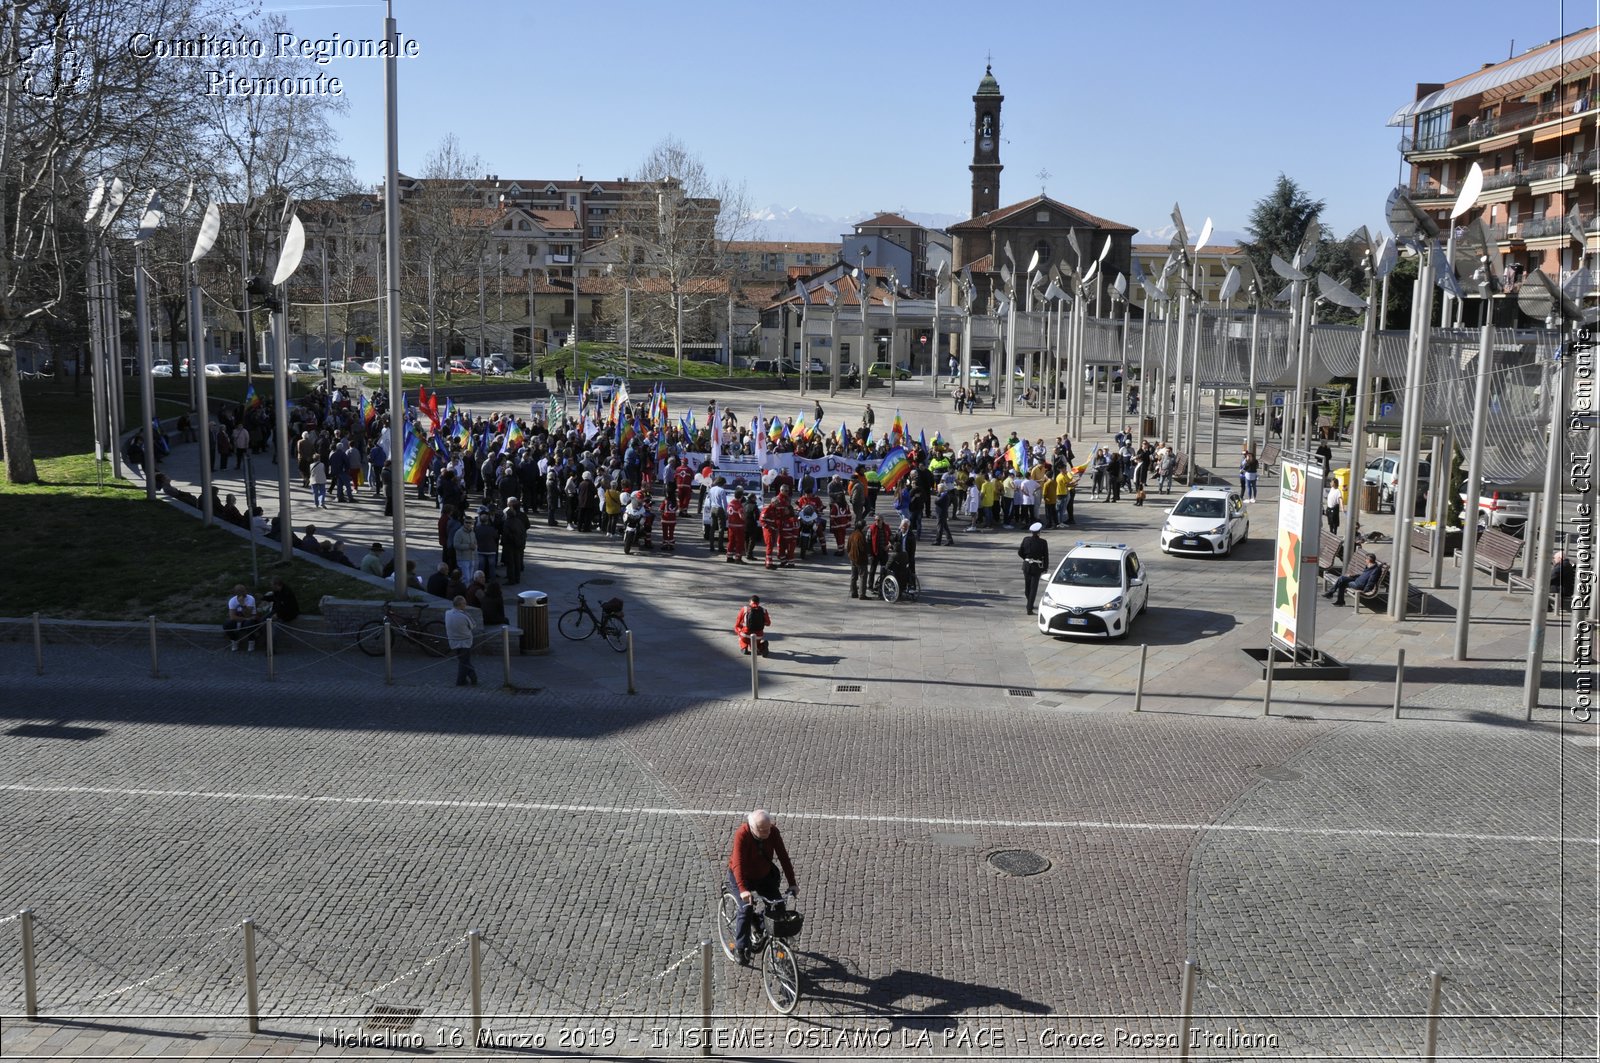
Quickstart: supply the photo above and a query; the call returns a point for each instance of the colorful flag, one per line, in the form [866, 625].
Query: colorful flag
[938, 440]
[897, 430]
[922, 440]
[625, 433]
[368, 411]
[251, 399]
[418, 455]
[463, 434]
[514, 438]
[759, 430]
[775, 430]
[893, 468]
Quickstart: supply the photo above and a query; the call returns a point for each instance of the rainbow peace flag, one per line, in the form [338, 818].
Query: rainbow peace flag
[418, 456]
[251, 399]
[897, 429]
[625, 433]
[1017, 455]
[368, 411]
[514, 437]
[463, 434]
[774, 429]
[893, 468]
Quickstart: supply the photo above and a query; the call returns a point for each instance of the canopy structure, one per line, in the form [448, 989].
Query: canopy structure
[1545, 64]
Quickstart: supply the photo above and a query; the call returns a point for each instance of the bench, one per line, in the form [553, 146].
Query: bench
[1329, 550]
[1268, 458]
[1352, 567]
[1180, 467]
[1497, 553]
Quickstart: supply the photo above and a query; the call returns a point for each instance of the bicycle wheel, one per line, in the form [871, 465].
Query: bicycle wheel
[727, 912]
[576, 624]
[616, 633]
[370, 638]
[432, 638]
[780, 976]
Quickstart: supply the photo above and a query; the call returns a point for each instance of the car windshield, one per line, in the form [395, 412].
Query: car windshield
[1200, 507]
[1090, 572]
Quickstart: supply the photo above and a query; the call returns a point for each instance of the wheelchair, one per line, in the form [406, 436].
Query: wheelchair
[898, 584]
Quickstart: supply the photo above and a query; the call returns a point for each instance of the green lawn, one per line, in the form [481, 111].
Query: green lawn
[79, 548]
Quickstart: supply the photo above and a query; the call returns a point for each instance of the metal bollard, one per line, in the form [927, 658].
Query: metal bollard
[30, 982]
[1186, 1007]
[475, 955]
[1399, 680]
[38, 647]
[1266, 698]
[505, 653]
[252, 998]
[631, 688]
[755, 672]
[155, 658]
[272, 664]
[1138, 691]
[388, 653]
[1430, 1036]
[705, 994]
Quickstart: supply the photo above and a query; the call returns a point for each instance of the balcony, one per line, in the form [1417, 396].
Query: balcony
[1505, 179]
[1484, 128]
[554, 259]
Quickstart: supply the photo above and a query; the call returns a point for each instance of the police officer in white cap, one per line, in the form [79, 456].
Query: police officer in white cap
[1035, 554]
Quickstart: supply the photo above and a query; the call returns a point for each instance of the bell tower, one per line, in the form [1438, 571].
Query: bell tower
[986, 145]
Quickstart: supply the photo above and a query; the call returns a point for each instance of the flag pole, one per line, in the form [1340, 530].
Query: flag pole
[391, 235]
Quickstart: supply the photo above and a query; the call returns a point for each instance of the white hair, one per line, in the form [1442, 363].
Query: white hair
[758, 817]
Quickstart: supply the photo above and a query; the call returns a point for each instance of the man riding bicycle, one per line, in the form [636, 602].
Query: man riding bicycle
[750, 870]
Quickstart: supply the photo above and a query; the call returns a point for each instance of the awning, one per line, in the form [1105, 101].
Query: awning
[1575, 50]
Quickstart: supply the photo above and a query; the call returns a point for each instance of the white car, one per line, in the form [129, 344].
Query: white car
[1499, 509]
[1096, 590]
[161, 369]
[1207, 520]
[603, 387]
[223, 369]
[373, 368]
[413, 365]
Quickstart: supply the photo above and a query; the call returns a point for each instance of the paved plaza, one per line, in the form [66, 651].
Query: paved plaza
[1315, 864]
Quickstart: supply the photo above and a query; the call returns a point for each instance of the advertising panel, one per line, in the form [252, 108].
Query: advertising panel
[1294, 582]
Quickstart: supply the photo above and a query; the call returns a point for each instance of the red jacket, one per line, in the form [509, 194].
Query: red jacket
[751, 859]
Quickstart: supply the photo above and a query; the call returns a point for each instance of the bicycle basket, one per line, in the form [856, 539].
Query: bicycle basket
[786, 924]
[612, 607]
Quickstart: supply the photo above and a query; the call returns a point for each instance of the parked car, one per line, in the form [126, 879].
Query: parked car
[304, 369]
[1500, 509]
[458, 367]
[1206, 520]
[413, 364]
[603, 387]
[781, 367]
[224, 369]
[1097, 589]
[161, 369]
[374, 368]
[494, 365]
[816, 365]
[1384, 471]
[881, 370]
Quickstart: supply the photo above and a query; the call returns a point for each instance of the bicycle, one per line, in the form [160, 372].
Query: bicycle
[580, 622]
[780, 974]
[427, 635]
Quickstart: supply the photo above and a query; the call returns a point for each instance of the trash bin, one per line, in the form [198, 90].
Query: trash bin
[1148, 428]
[533, 617]
[1342, 478]
[1369, 498]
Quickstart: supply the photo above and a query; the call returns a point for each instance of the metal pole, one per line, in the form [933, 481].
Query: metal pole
[705, 994]
[1399, 680]
[1138, 691]
[1191, 969]
[327, 327]
[1430, 1036]
[391, 231]
[155, 660]
[147, 384]
[197, 345]
[631, 688]
[505, 653]
[388, 652]
[1550, 504]
[475, 955]
[252, 1017]
[1443, 447]
[755, 672]
[1358, 424]
[272, 664]
[97, 379]
[30, 982]
[1266, 697]
[280, 430]
[1406, 489]
[38, 647]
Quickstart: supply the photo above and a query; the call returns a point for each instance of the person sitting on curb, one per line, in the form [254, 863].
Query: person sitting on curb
[241, 623]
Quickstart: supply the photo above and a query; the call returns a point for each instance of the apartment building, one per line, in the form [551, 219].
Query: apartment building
[1530, 123]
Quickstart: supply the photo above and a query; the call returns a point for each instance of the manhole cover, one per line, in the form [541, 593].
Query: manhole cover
[1019, 862]
[1277, 773]
[1019, 693]
[389, 1017]
[847, 688]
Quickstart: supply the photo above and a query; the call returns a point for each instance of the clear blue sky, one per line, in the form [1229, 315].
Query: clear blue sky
[849, 109]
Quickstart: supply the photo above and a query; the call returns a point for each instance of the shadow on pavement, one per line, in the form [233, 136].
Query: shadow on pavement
[888, 995]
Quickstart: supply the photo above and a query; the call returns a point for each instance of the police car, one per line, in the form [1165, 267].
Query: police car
[1207, 520]
[1097, 589]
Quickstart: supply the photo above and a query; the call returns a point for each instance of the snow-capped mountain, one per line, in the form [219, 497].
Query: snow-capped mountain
[795, 223]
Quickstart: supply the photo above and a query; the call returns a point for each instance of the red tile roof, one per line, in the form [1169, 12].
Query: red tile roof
[1081, 217]
[887, 221]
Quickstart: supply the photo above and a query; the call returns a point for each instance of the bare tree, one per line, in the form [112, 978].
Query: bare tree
[675, 230]
[445, 234]
[78, 101]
